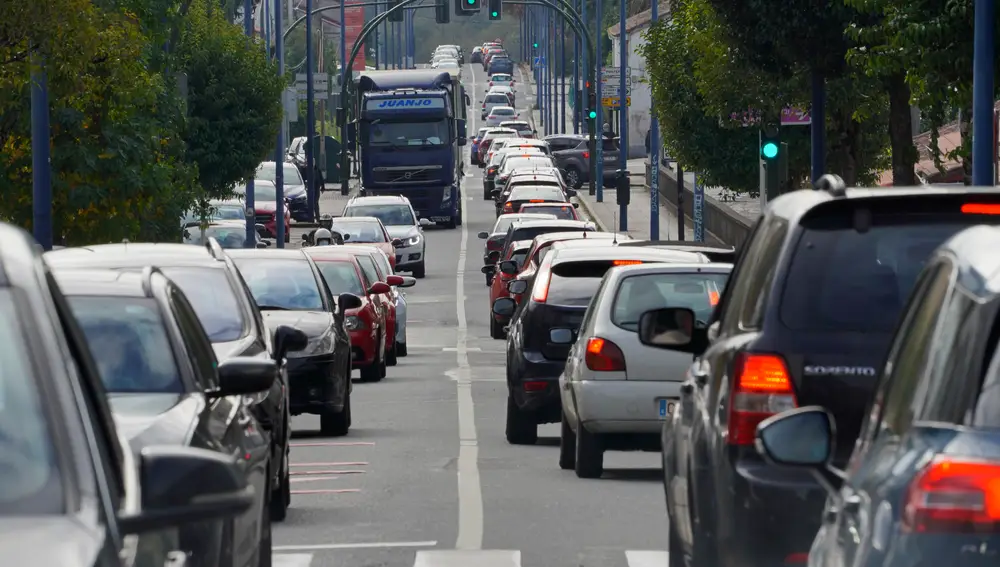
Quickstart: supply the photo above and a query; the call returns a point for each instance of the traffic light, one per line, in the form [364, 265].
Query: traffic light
[467, 7]
[534, 45]
[770, 145]
[442, 12]
[396, 16]
[591, 103]
[495, 9]
[771, 154]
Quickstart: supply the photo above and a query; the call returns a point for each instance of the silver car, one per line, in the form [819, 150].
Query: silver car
[401, 222]
[614, 388]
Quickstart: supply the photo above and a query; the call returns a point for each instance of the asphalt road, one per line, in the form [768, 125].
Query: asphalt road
[425, 477]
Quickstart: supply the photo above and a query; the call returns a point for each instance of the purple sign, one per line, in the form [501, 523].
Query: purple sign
[795, 117]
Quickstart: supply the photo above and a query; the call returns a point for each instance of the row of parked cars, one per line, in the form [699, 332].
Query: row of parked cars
[148, 389]
[826, 394]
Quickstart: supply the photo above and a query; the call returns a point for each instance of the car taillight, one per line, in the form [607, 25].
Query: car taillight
[762, 387]
[508, 207]
[954, 495]
[604, 356]
[586, 155]
[540, 291]
[713, 298]
[980, 209]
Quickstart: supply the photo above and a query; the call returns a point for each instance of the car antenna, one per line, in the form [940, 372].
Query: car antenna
[614, 237]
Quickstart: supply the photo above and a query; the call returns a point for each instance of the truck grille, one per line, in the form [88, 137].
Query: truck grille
[407, 174]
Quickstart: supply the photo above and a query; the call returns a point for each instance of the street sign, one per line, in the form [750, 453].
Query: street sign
[615, 101]
[795, 117]
[613, 90]
[321, 84]
[615, 72]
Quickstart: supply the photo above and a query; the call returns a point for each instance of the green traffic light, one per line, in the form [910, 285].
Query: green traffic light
[493, 13]
[471, 2]
[593, 114]
[769, 150]
[534, 45]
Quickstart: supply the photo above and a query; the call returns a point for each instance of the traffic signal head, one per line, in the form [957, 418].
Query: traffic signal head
[396, 16]
[591, 104]
[535, 45]
[495, 9]
[442, 13]
[592, 114]
[770, 144]
[769, 150]
[467, 7]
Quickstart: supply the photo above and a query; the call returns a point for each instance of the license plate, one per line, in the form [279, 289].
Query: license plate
[667, 407]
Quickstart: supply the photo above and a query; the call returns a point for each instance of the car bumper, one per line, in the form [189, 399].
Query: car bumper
[544, 401]
[401, 320]
[364, 345]
[299, 209]
[409, 257]
[313, 385]
[619, 406]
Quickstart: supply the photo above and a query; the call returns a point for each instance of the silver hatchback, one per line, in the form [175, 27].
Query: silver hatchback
[615, 391]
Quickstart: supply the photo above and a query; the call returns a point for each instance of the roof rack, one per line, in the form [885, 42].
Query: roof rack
[832, 184]
[215, 249]
[147, 279]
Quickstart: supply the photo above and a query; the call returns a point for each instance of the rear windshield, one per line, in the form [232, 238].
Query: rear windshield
[842, 280]
[531, 233]
[527, 193]
[638, 294]
[574, 283]
[503, 112]
[561, 212]
[497, 98]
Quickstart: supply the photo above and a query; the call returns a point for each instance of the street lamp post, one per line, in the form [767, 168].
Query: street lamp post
[622, 103]
[983, 143]
[310, 117]
[654, 155]
[279, 152]
[251, 239]
[598, 154]
[41, 166]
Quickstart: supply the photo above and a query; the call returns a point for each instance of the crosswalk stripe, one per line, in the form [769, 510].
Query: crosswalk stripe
[467, 558]
[291, 559]
[646, 558]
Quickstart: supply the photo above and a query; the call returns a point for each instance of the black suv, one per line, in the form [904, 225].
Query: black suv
[806, 318]
[560, 292]
[165, 387]
[72, 492]
[226, 310]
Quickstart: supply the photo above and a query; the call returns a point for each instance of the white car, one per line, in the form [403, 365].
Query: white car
[493, 100]
[400, 220]
[502, 80]
[612, 384]
[500, 114]
[504, 91]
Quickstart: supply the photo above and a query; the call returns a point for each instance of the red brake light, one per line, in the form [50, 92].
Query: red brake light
[713, 298]
[604, 356]
[508, 207]
[536, 201]
[626, 262]
[954, 495]
[762, 387]
[586, 155]
[980, 209]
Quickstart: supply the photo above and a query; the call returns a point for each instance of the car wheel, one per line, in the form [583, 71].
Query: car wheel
[420, 271]
[280, 497]
[567, 446]
[496, 329]
[573, 178]
[374, 371]
[521, 427]
[265, 552]
[589, 454]
[390, 356]
[336, 424]
[401, 349]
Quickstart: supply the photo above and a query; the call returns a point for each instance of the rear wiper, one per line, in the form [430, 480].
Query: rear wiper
[272, 308]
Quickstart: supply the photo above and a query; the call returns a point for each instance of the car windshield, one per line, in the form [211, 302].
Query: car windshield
[30, 483]
[129, 342]
[640, 293]
[365, 231]
[221, 211]
[228, 236]
[430, 132]
[265, 191]
[521, 162]
[268, 172]
[341, 277]
[281, 284]
[390, 215]
[214, 301]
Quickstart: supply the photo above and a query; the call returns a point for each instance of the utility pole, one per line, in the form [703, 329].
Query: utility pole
[623, 81]
[279, 152]
[561, 46]
[310, 117]
[654, 155]
[982, 94]
[251, 239]
[41, 165]
[576, 77]
[599, 151]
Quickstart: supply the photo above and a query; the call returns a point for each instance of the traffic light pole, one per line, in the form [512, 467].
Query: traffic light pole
[560, 6]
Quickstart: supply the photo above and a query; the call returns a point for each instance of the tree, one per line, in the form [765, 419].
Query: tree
[234, 101]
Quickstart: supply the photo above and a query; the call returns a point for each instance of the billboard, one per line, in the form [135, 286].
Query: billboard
[354, 21]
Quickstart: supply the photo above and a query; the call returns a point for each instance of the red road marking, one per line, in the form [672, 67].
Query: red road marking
[333, 444]
[327, 491]
[293, 473]
[340, 464]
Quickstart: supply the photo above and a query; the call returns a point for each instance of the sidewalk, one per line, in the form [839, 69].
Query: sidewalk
[605, 214]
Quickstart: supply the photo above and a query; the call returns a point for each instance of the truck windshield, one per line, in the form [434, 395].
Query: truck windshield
[433, 132]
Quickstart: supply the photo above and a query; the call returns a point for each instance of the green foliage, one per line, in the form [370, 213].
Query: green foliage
[234, 101]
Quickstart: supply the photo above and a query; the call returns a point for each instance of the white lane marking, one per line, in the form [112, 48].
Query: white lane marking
[470, 349]
[312, 479]
[361, 545]
[470, 490]
[646, 558]
[460, 558]
[291, 559]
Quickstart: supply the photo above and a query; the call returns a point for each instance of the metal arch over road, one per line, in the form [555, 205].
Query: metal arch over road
[566, 12]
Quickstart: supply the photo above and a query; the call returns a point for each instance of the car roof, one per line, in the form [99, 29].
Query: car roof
[711, 267]
[502, 107]
[335, 252]
[536, 188]
[138, 254]
[554, 222]
[684, 245]
[104, 282]
[575, 251]
[544, 171]
[267, 253]
[355, 219]
[525, 217]
[378, 200]
[578, 235]
[500, 131]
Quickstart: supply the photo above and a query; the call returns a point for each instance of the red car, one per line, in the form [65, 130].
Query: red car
[367, 230]
[517, 252]
[365, 257]
[367, 324]
[265, 203]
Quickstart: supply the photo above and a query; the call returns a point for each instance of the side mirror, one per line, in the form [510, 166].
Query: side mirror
[802, 437]
[379, 288]
[561, 336]
[346, 236]
[185, 485]
[504, 307]
[483, 235]
[348, 301]
[408, 281]
[576, 205]
[713, 332]
[508, 267]
[488, 270]
[394, 280]
[245, 375]
[288, 339]
[571, 193]
[493, 257]
[396, 243]
[517, 287]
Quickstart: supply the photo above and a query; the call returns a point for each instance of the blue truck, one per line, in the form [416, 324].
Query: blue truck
[408, 138]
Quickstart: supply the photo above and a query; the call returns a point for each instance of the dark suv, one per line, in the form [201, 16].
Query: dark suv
[561, 290]
[225, 308]
[806, 318]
